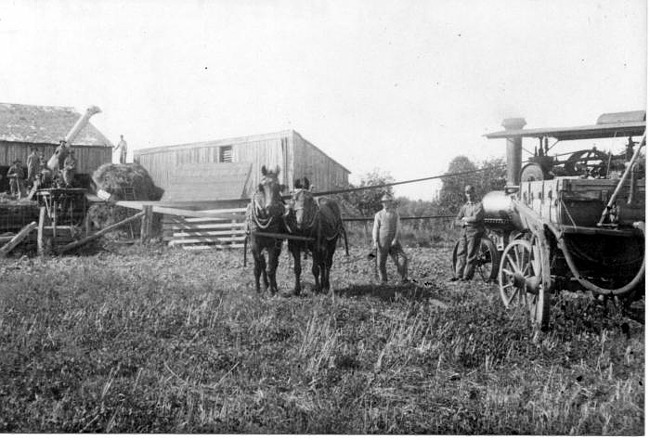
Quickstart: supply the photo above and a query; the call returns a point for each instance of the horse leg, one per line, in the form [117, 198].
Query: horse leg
[327, 265]
[257, 269]
[265, 277]
[316, 270]
[297, 269]
[274, 257]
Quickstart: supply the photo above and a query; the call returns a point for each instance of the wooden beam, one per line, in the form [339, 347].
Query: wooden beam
[145, 226]
[17, 239]
[77, 243]
[40, 240]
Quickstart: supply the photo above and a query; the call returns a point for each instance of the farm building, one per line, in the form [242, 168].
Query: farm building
[230, 168]
[25, 126]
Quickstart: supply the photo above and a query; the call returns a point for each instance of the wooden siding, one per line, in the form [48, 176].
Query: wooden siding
[208, 181]
[88, 158]
[323, 172]
[295, 156]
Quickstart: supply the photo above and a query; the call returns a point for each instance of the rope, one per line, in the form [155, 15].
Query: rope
[440, 176]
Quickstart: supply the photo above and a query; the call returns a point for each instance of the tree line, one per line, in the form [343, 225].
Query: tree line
[487, 175]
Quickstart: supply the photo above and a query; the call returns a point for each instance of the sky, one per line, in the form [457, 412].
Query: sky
[401, 87]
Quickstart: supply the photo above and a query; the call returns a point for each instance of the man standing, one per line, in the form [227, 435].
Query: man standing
[470, 217]
[15, 174]
[69, 169]
[385, 238]
[33, 166]
[120, 148]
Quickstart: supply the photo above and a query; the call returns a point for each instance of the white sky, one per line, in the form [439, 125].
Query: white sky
[402, 86]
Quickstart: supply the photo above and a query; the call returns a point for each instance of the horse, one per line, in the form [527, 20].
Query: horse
[319, 221]
[265, 215]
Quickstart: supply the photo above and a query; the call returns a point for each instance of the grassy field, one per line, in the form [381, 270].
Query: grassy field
[150, 339]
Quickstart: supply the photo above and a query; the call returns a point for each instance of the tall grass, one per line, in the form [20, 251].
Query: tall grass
[156, 340]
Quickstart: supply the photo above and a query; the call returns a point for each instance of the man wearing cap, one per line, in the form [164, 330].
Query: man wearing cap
[385, 239]
[470, 217]
[15, 174]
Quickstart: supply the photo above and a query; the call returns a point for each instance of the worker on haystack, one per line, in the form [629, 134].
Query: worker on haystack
[15, 174]
[33, 166]
[120, 148]
[385, 239]
[470, 217]
[69, 169]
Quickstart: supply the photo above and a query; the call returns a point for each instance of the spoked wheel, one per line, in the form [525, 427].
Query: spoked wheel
[521, 281]
[488, 258]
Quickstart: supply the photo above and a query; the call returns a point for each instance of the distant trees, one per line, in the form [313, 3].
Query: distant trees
[451, 197]
[368, 201]
[452, 192]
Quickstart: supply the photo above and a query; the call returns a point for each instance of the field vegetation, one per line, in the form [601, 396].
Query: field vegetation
[147, 339]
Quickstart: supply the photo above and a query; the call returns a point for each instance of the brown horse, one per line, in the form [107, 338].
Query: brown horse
[265, 215]
[320, 221]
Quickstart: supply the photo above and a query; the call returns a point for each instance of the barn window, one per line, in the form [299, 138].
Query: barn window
[225, 153]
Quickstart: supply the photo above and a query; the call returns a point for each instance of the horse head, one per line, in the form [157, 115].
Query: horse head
[268, 197]
[305, 208]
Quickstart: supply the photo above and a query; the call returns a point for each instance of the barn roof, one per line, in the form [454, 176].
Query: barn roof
[39, 124]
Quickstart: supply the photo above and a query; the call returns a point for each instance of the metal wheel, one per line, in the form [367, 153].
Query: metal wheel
[487, 264]
[521, 282]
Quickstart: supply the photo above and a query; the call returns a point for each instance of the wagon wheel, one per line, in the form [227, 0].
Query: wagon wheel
[487, 264]
[521, 282]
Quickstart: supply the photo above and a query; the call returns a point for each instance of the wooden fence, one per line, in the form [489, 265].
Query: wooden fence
[216, 228]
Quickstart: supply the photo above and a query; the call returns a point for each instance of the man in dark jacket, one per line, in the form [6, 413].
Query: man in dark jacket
[470, 217]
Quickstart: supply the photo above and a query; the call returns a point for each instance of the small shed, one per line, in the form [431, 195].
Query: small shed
[25, 126]
[230, 168]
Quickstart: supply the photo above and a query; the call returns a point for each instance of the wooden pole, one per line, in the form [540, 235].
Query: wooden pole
[17, 239]
[77, 243]
[145, 226]
[40, 241]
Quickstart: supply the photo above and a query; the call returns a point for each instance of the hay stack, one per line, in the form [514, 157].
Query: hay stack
[115, 178]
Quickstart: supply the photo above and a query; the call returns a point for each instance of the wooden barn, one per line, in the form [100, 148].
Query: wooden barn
[230, 168]
[25, 126]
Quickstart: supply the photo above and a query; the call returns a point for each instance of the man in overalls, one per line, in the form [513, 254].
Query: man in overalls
[470, 217]
[385, 238]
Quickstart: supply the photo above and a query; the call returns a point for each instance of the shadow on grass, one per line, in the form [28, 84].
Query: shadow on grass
[390, 292]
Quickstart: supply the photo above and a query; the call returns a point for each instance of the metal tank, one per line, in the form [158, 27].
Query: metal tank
[499, 212]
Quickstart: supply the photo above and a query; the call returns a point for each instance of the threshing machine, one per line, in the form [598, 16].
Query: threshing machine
[573, 221]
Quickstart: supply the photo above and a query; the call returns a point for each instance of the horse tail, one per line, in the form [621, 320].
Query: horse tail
[345, 238]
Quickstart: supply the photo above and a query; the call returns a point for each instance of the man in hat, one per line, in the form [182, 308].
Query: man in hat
[33, 166]
[470, 217]
[385, 239]
[60, 153]
[69, 169]
[15, 174]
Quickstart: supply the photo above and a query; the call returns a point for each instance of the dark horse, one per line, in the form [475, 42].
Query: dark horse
[320, 222]
[264, 215]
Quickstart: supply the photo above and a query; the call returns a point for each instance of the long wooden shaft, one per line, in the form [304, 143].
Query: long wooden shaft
[77, 243]
[17, 239]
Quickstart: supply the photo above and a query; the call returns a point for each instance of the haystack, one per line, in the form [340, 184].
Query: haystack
[119, 179]
[123, 181]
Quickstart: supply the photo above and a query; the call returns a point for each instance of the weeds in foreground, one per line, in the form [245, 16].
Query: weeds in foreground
[156, 340]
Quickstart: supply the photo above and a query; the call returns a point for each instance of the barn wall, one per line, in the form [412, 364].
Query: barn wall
[323, 172]
[258, 151]
[88, 158]
[295, 156]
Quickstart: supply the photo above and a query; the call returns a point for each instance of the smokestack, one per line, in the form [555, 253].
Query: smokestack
[513, 150]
